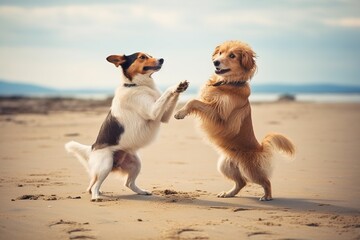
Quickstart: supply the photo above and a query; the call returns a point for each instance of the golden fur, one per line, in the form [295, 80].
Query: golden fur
[225, 114]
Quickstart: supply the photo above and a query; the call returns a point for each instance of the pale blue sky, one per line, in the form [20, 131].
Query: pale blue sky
[64, 43]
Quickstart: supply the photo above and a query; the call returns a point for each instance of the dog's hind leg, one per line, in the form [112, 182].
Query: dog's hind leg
[100, 165]
[92, 182]
[229, 169]
[131, 166]
[266, 184]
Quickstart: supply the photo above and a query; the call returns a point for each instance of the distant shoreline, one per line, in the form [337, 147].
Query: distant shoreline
[45, 105]
[10, 88]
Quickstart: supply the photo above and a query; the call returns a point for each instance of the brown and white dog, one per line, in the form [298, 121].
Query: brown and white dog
[225, 116]
[133, 121]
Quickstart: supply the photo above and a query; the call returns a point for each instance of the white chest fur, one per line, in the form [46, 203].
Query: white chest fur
[130, 106]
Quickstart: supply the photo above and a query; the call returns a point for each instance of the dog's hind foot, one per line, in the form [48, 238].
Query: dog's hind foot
[265, 198]
[88, 190]
[137, 190]
[226, 195]
[97, 200]
[144, 192]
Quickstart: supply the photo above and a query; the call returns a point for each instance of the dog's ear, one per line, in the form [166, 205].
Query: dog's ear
[117, 60]
[216, 51]
[248, 60]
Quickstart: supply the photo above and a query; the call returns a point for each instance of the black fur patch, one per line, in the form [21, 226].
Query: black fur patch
[109, 134]
[119, 157]
[129, 60]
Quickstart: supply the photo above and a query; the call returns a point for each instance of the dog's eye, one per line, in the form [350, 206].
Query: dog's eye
[142, 57]
[220, 53]
[232, 55]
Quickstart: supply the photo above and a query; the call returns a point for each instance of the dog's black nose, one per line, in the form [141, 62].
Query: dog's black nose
[161, 60]
[216, 63]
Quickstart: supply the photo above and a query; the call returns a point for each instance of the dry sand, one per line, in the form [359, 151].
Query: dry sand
[315, 197]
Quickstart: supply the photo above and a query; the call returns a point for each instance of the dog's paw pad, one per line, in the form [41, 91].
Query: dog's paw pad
[182, 86]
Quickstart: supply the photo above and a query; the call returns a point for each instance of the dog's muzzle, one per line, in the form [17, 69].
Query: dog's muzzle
[155, 68]
[219, 70]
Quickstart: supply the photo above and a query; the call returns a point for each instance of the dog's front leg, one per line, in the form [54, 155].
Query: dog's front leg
[197, 107]
[172, 103]
[161, 105]
[170, 108]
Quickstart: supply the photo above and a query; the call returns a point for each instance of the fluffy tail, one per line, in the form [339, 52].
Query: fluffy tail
[81, 152]
[279, 142]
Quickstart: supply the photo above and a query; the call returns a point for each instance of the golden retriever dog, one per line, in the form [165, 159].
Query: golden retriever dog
[225, 116]
[137, 110]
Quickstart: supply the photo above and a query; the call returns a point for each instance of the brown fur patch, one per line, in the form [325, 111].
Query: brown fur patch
[237, 56]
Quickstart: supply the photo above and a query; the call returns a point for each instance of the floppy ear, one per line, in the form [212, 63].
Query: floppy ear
[117, 60]
[248, 60]
[216, 51]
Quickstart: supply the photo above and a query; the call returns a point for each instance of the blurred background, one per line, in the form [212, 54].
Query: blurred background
[59, 47]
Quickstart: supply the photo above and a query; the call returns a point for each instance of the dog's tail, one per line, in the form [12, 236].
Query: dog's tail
[80, 151]
[280, 143]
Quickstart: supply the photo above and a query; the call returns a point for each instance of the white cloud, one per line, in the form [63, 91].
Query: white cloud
[117, 19]
[240, 17]
[66, 45]
[88, 20]
[165, 19]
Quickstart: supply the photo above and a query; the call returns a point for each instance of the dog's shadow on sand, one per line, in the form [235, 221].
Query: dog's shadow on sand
[241, 203]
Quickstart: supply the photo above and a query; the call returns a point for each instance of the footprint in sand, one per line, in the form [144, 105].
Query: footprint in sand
[258, 233]
[185, 233]
[176, 196]
[43, 197]
[74, 229]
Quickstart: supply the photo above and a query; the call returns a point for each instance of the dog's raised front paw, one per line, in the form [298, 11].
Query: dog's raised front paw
[181, 114]
[182, 87]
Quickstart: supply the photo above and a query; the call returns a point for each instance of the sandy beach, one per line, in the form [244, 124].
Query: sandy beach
[316, 196]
